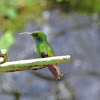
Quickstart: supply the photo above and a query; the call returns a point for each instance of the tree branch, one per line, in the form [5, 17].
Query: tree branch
[3, 56]
[32, 63]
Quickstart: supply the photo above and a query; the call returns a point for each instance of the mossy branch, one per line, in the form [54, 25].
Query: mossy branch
[3, 56]
[32, 63]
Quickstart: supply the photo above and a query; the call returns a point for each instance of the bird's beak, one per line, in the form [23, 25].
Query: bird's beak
[25, 33]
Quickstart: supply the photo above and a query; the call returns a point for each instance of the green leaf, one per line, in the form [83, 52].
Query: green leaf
[11, 13]
[6, 40]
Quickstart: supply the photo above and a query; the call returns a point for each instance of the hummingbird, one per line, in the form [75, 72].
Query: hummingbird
[43, 50]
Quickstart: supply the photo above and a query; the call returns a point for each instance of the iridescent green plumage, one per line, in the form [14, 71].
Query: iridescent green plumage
[42, 45]
[43, 49]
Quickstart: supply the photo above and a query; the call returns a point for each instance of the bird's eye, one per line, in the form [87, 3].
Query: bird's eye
[36, 34]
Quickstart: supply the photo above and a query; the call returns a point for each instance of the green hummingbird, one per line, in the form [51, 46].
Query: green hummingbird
[43, 50]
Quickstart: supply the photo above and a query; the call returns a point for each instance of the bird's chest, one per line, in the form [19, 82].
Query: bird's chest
[40, 48]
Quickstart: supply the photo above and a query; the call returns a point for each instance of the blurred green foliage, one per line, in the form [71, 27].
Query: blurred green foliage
[83, 6]
[6, 40]
[14, 14]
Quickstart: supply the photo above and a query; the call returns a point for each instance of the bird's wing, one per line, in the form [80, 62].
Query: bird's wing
[47, 51]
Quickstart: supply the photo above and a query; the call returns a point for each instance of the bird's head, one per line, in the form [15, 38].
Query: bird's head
[37, 35]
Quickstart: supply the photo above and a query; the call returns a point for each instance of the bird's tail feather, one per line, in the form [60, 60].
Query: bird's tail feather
[55, 70]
